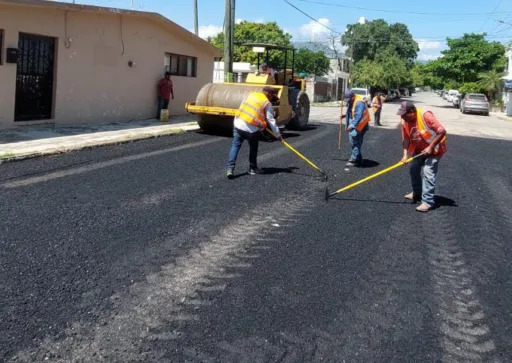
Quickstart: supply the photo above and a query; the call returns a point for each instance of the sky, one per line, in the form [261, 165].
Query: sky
[430, 22]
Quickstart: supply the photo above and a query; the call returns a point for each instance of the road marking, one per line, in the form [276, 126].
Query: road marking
[101, 165]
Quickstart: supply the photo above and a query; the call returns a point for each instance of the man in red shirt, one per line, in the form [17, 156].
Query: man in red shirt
[422, 134]
[165, 92]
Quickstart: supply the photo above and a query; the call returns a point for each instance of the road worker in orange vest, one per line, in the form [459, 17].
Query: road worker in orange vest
[377, 108]
[358, 117]
[253, 116]
[422, 134]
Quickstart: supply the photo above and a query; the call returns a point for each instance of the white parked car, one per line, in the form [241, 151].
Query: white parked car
[451, 94]
[365, 93]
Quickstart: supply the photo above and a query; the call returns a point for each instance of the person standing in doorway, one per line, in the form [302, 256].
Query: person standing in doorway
[165, 93]
[422, 134]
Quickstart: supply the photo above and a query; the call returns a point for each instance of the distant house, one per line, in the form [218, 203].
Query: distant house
[66, 63]
[240, 71]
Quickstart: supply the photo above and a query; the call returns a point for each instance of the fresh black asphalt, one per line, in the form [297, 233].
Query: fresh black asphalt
[160, 258]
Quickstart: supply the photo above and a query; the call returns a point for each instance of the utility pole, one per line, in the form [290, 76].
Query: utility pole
[196, 27]
[228, 41]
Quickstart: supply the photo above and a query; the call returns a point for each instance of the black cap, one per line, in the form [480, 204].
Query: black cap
[406, 106]
[272, 91]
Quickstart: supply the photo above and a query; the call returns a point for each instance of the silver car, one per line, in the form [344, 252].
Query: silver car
[475, 102]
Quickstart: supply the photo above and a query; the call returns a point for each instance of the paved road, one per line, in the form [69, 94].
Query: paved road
[144, 252]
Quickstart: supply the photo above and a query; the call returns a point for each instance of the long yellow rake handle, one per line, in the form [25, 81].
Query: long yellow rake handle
[298, 153]
[397, 165]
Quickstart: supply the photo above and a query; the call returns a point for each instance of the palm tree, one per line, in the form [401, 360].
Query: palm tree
[490, 82]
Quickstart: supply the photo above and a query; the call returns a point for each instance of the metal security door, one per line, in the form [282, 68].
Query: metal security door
[34, 78]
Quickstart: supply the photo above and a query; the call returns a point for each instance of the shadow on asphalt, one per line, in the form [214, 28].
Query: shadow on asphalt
[228, 132]
[445, 106]
[367, 163]
[439, 200]
[368, 200]
[444, 202]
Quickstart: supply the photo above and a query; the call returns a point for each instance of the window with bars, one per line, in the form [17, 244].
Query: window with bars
[180, 65]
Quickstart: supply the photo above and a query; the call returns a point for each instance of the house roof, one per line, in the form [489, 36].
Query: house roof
[160, 19]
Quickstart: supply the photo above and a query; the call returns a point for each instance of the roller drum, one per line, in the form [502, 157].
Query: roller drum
[222, 95]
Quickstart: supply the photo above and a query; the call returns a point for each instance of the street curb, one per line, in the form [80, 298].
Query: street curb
[117, 138]
[504, 118]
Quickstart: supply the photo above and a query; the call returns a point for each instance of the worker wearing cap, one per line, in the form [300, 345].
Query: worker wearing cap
[377, 108]
[358, 117]
[422, 134]
[253, 116]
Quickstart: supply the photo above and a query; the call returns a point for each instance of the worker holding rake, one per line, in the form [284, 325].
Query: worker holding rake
[422, 136]
[358, 117]
[253, 116]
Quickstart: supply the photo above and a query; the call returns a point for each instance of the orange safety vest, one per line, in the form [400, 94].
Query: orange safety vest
[252, 110]
[366, 113]
[376, 101]
[425, 132]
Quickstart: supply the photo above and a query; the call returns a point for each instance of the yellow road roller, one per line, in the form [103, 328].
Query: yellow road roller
[216, 104]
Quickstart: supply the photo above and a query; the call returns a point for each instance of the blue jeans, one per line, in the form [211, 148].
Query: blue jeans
[162, 105]
[238, 138]
[424, 186]
[356, 141]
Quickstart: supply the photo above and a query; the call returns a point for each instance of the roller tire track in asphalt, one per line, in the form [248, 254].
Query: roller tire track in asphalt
[172, 295]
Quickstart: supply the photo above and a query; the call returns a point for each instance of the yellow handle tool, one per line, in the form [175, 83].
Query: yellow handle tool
[300, 155]
[368, 178]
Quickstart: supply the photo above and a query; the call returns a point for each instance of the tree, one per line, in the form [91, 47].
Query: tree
[311, 62]
[490, 82]
[370, 39]
[417, 75]
[387, 70]
[251, 32]
[467, 57]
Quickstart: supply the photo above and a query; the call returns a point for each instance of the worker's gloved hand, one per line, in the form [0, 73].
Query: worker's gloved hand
[404, 159]
[279, 137]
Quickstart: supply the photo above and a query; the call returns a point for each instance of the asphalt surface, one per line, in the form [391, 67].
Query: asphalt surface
[145, 252]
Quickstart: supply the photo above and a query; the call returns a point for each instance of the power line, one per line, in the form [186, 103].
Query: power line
[309, 16]
[494, 11]
[392, 11]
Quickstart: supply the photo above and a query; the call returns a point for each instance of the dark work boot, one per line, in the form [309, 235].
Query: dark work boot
[255, 170]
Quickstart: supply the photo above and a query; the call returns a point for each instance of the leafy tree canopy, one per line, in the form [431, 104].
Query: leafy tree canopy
[467, 57]
[311, 62]
[370, 39]
[251, 32]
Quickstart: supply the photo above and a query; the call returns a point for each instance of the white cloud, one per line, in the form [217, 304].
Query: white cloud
[238, 21]
[428, 57]
[362, 20]
[428, 44]
[206, 31]
[315, 30]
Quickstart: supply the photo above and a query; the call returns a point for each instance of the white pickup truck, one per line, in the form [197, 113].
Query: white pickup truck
[365, 93]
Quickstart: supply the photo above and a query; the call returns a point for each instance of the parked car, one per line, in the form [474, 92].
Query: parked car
[456, 100]
[475, 102]
[365, 93]
[451, 94]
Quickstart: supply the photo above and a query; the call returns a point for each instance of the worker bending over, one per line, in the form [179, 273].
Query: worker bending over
[377, 108]
[250, 121]
[358, 117]
[423, 134]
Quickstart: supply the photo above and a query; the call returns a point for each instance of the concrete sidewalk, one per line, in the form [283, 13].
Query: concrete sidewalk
[32, 141]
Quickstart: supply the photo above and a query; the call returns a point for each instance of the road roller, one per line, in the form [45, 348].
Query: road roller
[216, 104]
